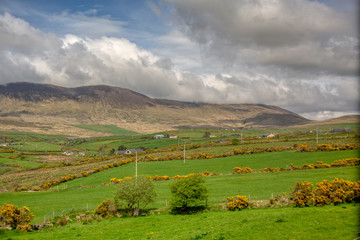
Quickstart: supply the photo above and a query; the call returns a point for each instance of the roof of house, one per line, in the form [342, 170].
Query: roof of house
[129, 151]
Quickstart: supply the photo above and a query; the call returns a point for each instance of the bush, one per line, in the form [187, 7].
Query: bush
[335, 192]
[135, 194]
[188, 194]
[238, 170]
[237, 203]
[302, 195]
[107, 208]
[16, 218]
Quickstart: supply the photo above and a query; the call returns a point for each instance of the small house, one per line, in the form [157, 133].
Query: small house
[129, 151]
[68, 153]
[173, 136]
[159, 136]
[269, 135]
[338, 131]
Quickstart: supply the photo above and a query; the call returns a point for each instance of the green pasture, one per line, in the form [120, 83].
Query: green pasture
[29, 136]
[19, 162]
[130, 143]
[37, 146]
[260, 186]
[219, 165]
[5, 160]
[112, 129]
[330, 222]
[219, 149]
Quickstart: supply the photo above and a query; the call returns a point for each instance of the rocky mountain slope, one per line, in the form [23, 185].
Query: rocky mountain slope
[48, 108]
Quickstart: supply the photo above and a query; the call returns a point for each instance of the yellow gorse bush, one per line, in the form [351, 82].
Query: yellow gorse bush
[206, 173]
[16, 218]
[335, 192]
[106, 208]
[238, 170]
[237, 202]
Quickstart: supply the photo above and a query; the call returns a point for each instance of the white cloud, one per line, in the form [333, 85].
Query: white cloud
[295, 35]
[28, 54]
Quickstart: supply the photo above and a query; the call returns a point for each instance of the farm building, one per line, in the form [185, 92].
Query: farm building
[68, 153]
[341, 130]
[129, 151]
[159, 136]
[269, 135]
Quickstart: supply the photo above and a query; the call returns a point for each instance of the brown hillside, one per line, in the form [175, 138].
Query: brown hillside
[47, 108]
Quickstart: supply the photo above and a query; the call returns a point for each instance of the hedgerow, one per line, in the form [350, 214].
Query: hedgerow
[164, 178]
[326, 193]
[319, 164]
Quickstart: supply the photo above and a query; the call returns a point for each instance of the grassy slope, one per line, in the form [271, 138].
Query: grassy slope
[259, 185]
[37, 146]
[107, 129]
[219, 165]
[330, 222]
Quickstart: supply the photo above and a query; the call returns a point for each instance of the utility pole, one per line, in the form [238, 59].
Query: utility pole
[136, 166]
[184, 152]
[317, 137]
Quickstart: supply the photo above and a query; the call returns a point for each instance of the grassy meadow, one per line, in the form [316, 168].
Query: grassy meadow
[32, 157]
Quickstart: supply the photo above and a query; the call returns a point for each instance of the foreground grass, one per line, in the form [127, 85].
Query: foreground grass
[260, 186]
[330, 222]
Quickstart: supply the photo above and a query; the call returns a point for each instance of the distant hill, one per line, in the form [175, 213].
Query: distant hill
[46, 108]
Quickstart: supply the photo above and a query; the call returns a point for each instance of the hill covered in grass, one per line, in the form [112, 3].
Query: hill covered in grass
[46, 108]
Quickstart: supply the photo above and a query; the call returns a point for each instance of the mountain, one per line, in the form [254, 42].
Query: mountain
[46, 108]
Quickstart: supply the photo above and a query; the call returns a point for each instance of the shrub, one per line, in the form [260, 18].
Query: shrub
[135, 194]
[334, 192]
[237, 203]
[188, 194]
[238, 170]
[302, 195]
[303, 147]
[106, 209]
[346, 162]
[16, 218]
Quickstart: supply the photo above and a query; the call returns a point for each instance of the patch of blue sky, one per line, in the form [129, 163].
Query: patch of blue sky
[131, 19]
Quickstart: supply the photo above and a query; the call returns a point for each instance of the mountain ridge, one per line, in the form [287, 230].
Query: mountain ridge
[34, 103]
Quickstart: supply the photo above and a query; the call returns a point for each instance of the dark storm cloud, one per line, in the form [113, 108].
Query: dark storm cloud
[291, 34]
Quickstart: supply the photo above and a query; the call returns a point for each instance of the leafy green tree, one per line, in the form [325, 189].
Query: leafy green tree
[188, 194]
[134, 195]
[122, 148]
[235, 141]
[207, 134]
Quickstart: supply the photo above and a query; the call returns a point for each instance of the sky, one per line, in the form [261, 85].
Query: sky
[300, 55]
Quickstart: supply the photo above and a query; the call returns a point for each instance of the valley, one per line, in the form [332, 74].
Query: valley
[31, 165]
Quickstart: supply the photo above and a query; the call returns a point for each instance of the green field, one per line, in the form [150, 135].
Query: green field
[260, 186]
[37, 146]
[330, 222]
[85, 193]
[219, 165]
